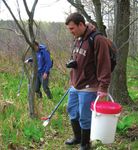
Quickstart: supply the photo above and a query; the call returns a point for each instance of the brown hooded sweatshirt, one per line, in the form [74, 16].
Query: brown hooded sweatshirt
[86, 76]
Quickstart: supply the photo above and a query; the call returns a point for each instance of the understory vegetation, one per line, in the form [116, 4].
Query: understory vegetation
[18, 131]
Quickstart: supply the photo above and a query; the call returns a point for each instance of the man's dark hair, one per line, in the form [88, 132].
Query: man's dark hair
[76, 18]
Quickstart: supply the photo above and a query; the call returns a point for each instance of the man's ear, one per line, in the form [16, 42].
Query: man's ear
[81, 24]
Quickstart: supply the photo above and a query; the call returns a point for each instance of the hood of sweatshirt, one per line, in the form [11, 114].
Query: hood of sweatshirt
[41, 46]
[90, 28]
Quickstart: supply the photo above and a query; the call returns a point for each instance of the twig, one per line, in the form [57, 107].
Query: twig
[12, 31]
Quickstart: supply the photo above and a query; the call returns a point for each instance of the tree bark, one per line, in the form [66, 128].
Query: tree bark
[99, 18]
[118, 86]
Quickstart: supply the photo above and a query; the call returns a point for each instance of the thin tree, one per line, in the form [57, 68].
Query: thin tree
[29, 38]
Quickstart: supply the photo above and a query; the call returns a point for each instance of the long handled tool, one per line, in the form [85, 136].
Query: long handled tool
[27, 61]
[47, 119]
[20, 84]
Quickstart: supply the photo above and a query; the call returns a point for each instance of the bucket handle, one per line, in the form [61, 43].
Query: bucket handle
[98, 98]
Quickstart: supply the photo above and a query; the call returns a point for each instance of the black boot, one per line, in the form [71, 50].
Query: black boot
[77, 133]
[85, 139]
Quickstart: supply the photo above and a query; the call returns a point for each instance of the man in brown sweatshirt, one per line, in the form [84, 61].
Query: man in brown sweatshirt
[87, 80]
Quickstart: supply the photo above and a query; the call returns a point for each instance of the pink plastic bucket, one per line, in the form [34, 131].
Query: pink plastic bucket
[107, 107]
[104, 120]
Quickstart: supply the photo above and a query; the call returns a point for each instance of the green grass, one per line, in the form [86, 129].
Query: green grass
[127, 121]
[15, 125]
[132, 78]
[22, 132]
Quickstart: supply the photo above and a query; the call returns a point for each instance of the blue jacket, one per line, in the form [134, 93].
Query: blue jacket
[43, 59]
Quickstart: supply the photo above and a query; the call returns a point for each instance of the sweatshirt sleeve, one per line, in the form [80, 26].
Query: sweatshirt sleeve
[103, 64]
[48, 62]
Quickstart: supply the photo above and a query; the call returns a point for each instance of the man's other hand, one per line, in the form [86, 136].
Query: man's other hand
[101, 95]
[44, 76]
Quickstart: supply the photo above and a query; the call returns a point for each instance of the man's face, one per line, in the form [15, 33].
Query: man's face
[76, 30]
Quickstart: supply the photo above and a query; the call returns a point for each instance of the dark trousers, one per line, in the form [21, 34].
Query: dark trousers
[44, 82]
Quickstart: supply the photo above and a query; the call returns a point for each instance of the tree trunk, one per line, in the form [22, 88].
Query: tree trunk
[99, 18]
[31, 88]
[118, 86]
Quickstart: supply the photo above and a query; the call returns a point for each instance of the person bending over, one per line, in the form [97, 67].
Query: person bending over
[86, 80]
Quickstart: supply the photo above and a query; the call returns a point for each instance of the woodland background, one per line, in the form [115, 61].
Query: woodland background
[20, 124]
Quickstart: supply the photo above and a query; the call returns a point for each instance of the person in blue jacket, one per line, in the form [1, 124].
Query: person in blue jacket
[44, 65]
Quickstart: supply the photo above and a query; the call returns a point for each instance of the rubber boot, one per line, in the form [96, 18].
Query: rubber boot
[85, 139]
[77, 133]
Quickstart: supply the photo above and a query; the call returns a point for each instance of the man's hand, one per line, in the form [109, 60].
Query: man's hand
[44, 76]
[101, 95]
[29, 60]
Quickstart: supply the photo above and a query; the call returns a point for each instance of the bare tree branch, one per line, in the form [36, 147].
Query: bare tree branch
[26, 7]
[34, 6]
[19, 26]
[18, 10]
[12, 31]
[32, 21]
[78, 5]
[23, 59]
[126, 26]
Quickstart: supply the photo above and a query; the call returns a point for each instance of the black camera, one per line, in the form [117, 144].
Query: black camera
[71, 64]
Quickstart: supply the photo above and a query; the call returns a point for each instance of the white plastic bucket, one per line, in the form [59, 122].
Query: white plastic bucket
[104, 120]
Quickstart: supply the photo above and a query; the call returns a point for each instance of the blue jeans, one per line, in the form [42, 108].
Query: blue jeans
[79, 106]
